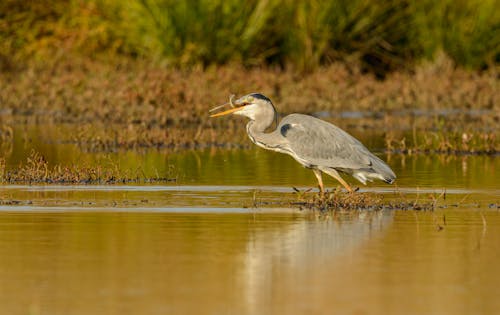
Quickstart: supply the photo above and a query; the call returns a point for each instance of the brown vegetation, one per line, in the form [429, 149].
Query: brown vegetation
[131, 105]
[337, 200]
[36, 170]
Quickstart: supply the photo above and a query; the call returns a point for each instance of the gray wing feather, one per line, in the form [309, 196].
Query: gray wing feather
[315, 142]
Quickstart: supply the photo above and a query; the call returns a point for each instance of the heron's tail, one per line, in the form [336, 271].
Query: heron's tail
[389, 180]
[382, 169]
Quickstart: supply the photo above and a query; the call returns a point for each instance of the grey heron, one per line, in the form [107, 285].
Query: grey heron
[314, 143]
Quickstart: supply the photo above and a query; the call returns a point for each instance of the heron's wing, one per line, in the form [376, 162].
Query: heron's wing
[315, 142]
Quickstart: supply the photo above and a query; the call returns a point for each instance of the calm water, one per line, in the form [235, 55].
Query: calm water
[199, 246]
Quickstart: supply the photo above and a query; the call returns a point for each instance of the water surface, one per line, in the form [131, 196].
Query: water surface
[219, 239]
[78, 262]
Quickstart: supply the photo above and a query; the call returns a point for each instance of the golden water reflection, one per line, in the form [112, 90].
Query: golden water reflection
[400, 262]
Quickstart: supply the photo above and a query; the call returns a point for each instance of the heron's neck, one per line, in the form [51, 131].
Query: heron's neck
[256, 132]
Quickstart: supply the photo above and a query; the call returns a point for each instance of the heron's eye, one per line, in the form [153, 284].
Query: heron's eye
[249, 100]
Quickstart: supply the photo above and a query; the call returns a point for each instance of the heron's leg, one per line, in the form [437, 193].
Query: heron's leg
[320, 180]
[333, 173]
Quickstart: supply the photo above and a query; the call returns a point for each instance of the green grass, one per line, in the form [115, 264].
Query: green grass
[190, 32]
[381, 36]
[466, 30]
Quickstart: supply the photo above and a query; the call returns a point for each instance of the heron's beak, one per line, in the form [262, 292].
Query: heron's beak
[227, 112]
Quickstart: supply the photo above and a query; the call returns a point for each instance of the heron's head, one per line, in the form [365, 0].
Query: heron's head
[254, 106]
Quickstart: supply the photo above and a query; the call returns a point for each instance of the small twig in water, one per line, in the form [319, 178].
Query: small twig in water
[416, 199]
[483, 232]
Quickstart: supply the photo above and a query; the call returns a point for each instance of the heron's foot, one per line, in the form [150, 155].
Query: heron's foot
[321, 191]
[323, 196]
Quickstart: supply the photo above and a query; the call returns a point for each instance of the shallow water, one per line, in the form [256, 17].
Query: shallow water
[219, 241]
[81, 262]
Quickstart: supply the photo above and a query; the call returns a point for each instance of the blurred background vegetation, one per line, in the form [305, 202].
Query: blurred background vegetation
[380, 36]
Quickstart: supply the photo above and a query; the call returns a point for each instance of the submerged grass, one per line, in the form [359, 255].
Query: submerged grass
[36, 170]
[337, 200]
[455, 142]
